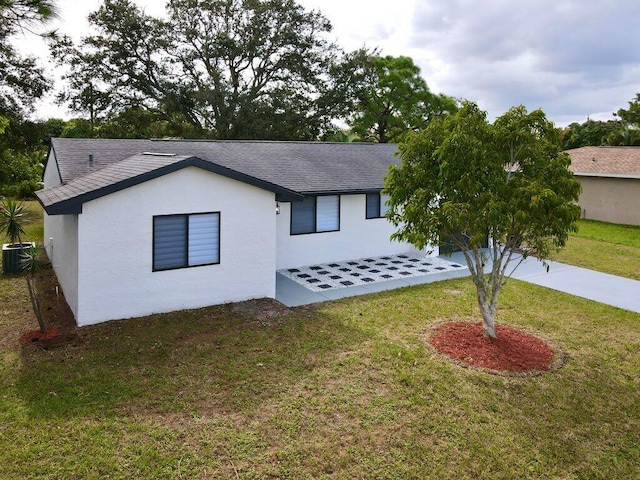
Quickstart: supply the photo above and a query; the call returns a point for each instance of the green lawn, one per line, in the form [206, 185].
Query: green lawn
[628, 235]
[605, 247]
[346, 389]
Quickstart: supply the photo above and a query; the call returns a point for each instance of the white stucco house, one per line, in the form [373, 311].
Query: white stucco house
[134, 227]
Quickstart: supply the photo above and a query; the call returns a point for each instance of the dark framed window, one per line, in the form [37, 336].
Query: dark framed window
[376, 205]
[189, 240]
[315, 215]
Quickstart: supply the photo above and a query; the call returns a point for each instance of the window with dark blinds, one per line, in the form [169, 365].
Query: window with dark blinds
[376, 205]
[373, 205]
[303, 216]
[315, 215]
[189, 240]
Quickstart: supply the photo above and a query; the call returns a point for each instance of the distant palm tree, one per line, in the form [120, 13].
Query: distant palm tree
[627, 136]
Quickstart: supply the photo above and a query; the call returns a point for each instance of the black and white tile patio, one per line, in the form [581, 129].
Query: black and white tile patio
[600, 287]
[369, 270]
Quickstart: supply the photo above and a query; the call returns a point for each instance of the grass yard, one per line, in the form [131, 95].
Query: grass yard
[605, 247]
[346, 389]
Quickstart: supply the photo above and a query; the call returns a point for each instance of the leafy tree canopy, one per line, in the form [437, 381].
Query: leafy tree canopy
[629, 134]
[21, 80]
[133, 122]
[631, 116]
[625, 131]
[23, 149]
[240, 69]
[462, 179]
[385, 96]
[590, 133]
[228, 68]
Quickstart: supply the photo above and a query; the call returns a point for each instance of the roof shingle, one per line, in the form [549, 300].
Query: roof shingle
[288, 168]
[606, 161]
[305, 167]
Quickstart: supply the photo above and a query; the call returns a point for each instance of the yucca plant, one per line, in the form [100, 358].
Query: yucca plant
[11, 220]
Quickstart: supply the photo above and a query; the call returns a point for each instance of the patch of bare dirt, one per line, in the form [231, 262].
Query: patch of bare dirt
[61, 326]
[264, 310]
[453, 291]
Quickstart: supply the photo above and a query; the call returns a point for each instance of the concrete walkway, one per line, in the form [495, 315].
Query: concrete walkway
[600, 287]
[582, 282]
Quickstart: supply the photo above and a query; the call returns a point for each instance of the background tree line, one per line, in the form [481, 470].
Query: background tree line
[217, 69]
[236, 69]
[221, 69]
[623, 131]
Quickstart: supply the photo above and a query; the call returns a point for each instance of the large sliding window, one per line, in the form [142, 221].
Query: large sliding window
[315, 215]
[190, 240]
[377, 205]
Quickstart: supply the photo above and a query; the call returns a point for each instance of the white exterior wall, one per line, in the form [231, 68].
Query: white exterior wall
[358, 237]
[61, 241]
[51, 176]
[61, 244]
[115, 248]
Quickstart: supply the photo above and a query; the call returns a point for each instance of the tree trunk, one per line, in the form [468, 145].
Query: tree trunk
[488, 314]
[35, 303]
[487, 286]
[382, 132]
[488, 322]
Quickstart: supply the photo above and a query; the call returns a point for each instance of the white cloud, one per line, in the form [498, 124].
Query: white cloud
[572, 58]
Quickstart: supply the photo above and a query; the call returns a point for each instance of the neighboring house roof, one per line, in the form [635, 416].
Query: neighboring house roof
[622, 162]
[290, 169]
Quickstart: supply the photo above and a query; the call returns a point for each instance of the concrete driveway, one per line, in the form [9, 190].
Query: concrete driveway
[582, 282]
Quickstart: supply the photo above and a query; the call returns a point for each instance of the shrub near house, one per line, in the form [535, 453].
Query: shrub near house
[11, 225]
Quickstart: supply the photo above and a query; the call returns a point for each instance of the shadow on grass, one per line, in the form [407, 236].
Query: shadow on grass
[346, 387]
[217, 359]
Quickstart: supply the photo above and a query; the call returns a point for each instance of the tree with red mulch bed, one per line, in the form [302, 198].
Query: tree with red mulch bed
[512, 351]
[498, 192]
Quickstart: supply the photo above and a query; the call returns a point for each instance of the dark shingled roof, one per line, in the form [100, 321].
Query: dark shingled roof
[606, 161]
[290, 169]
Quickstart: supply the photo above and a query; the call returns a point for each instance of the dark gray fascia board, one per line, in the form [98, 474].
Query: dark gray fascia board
[320, 193]
[358, 191]
[281, 197]
[74, 205]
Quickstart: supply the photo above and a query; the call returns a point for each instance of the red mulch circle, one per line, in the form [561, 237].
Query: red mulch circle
[512, 351]
[38, 336]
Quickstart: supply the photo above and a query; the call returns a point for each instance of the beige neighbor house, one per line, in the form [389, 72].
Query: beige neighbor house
[610, 178]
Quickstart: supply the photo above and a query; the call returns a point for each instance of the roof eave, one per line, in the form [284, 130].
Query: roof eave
[607, 175]
[342, 191]
[74, 205]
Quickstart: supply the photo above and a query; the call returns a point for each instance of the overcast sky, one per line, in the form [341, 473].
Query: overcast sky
[572, 58]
